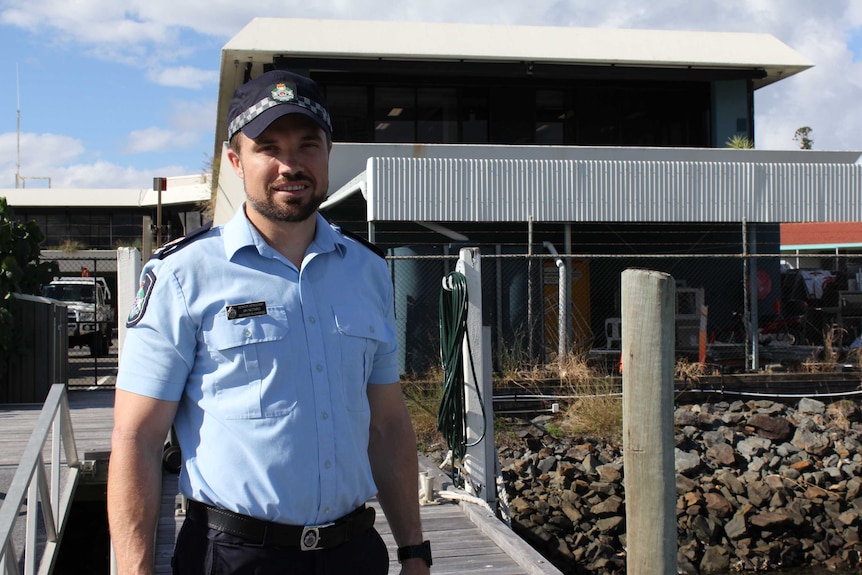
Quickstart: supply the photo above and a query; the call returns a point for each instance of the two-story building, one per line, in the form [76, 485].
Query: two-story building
[526, 139]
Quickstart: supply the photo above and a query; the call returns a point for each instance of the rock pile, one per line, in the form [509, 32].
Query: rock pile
[760, 485]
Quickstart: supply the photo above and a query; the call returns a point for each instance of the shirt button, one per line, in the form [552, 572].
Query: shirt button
[370, 329]
[318, 367]
[311, 319]
[327, 464]
[246, 332]
[324, 415]
[326, 509]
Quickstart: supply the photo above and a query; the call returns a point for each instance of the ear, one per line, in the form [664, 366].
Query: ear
[235, 162]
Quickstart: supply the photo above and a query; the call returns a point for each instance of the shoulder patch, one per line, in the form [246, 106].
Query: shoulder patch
[139, 306]
[179, 243]
[362, 241]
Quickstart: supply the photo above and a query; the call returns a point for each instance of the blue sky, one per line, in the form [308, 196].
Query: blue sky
[115, 92]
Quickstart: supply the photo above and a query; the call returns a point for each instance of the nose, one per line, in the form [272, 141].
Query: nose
[289, 163]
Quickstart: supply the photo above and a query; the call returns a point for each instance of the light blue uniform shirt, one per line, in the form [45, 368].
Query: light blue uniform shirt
[270, 365]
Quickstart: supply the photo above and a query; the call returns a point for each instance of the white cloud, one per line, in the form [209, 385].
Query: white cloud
[64, 161]
[184, 77]
[108, 175]
[39, 155]
[189, 123]
[149, 140]
[198, 116]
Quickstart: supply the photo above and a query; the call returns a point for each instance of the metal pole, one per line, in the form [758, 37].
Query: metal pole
[530, 325]
[753, 294]
[746, 311]
[159, 219]
[567, 249]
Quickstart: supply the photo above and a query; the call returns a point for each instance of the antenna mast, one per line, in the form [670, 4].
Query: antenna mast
[21, 181]
[18, 157]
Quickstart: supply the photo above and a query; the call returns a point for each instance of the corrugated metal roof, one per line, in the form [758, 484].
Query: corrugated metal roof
[494, 190]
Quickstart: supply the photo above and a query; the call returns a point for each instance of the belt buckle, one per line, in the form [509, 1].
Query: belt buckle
[310, 538]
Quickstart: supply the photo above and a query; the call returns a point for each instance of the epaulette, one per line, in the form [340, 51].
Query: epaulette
[359, 239]
[179, 243]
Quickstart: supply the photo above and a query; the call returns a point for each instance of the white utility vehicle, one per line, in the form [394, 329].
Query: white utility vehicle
[91, 315]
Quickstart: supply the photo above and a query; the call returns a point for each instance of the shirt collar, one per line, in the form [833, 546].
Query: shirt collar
[240, 233]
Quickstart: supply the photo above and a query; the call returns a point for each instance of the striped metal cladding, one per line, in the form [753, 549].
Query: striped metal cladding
[498, 190]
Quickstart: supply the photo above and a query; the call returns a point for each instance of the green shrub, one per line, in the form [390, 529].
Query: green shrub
[20, 272]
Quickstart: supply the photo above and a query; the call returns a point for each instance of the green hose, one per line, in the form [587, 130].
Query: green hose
[452, 415]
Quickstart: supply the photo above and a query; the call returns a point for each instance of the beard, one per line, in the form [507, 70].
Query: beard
[294, 210]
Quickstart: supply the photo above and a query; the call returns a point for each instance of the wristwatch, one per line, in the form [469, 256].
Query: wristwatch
[422, 551]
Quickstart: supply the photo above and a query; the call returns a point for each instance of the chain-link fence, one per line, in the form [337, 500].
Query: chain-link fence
[802, 309]
[733, 311]
[88, 287]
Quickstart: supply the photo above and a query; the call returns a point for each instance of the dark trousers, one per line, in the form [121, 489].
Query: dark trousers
[204, 551]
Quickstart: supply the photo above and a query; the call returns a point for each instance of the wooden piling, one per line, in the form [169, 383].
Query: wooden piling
[648, 318]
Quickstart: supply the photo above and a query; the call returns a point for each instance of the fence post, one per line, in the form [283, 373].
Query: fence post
[128, 277]
[648, 318]
[480, 460]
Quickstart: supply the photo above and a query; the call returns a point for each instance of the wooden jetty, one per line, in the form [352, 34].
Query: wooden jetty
[465, 538]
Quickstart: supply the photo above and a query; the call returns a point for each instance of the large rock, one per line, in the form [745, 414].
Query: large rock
[685, 462]
[771, 427]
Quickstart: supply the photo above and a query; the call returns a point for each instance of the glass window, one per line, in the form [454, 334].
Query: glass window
[394, 115]
[513, 115]
[550, 117]
[437, 114]
[474, 115]
[598, 116]
[348, 106]
[55, 230]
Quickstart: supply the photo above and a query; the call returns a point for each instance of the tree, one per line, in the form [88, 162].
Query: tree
[20, 272]
[803, 136]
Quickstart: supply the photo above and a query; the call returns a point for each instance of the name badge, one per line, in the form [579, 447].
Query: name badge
[241, 310]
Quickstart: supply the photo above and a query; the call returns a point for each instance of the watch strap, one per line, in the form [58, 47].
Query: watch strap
[421, 551]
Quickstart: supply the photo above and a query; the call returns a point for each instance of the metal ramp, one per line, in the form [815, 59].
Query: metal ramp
[30, 484]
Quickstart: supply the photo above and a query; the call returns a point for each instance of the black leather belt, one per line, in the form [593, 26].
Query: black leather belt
[262, 532]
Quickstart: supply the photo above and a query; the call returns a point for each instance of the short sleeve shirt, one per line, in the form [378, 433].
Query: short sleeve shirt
[270, 366]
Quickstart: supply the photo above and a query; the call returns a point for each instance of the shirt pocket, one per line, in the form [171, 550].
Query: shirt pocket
[246, 352]
[360, 333]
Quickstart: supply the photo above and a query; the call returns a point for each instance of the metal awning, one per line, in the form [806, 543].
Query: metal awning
[570, 190]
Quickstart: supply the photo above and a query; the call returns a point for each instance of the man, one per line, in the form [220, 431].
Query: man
[269, 344]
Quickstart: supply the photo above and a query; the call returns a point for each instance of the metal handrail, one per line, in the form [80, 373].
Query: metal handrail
[30, 483]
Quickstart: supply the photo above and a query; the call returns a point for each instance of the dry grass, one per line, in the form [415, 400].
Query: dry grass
[597, 408]
[690, 370]
[422, 395]
[832, 340]
[598, 412]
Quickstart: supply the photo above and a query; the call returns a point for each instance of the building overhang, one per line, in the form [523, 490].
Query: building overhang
[180, 190]
[723, 186]
[333, 45]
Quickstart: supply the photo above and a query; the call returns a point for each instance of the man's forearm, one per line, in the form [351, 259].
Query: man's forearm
[396, 473]
[134, 490]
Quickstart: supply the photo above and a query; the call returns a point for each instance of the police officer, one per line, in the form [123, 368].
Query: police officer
[269, 344]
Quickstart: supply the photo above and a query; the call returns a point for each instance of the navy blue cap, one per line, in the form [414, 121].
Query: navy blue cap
[262, 100]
